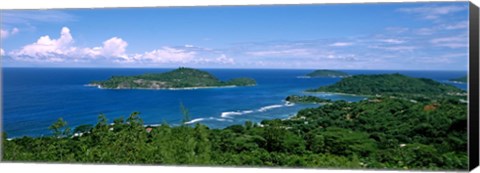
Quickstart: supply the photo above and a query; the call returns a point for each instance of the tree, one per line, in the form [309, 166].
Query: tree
[203, 145]
[186, 116]
[59, 128]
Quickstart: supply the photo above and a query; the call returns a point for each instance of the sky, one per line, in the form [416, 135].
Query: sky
[396, 36]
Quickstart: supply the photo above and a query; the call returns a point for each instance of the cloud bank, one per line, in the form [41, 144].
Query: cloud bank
[63, 49]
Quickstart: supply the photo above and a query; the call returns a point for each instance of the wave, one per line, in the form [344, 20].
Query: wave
[230, 113]
[195, 120]
[266, 108]
[209, 118]
[287, 103]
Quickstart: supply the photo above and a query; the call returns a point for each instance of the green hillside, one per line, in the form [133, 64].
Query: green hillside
[178, 78]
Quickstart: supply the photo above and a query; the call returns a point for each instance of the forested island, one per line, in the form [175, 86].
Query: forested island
[379, 132]
[180, 78]
[391, 84]
[327, 73]
[460, 79]
[306, 99]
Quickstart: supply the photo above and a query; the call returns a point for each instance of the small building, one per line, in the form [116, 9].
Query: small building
[148, 129]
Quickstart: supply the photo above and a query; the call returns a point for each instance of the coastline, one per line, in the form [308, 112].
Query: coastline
[308, 77]
[457, 82]
[184, 88]
[337, 93]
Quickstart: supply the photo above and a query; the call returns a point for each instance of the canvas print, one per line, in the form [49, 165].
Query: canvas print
[339, 86]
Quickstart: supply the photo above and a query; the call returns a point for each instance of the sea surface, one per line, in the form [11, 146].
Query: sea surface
[34, 98]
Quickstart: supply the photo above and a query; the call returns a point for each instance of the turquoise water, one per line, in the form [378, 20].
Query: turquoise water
[34, 98]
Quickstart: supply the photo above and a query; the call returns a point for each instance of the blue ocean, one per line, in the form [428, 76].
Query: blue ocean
[34, 98]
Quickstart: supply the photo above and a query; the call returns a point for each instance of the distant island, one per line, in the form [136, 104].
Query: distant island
[460, 79]
[181, 78]
[305, 99]
[389, 84]
[327, 73]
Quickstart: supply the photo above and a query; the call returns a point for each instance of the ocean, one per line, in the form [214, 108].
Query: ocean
[34, 98]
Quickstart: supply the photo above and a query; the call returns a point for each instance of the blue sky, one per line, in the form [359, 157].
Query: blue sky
[407, 36]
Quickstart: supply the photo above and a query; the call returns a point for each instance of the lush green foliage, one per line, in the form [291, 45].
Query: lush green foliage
[306, 99]
[179, 78]
[327, 73]
[241, 82]
[391, 84]
[460, 79]
[375, 133]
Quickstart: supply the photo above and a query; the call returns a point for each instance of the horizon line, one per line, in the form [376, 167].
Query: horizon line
[466, 70]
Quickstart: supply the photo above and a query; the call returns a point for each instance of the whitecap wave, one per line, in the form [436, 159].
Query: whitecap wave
[287, 103]
[247, 112]
[195, 120]
[228, 114]
[209, 118]
[266, 108]
[231, 113]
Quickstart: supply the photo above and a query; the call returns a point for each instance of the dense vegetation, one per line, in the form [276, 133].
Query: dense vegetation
[399, 132]
[460, 79]
[391, 84]
[306, 99]
[379, 132]
[327, 73]
[179, 78]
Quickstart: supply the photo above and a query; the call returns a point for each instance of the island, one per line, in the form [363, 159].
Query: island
[327, 73]
[306, 99]
[390, 84]
[459, 80]
[180, 78]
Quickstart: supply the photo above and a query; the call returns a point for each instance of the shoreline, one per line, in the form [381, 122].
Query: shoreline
[337, 93]
[184, 88]
[308, 77]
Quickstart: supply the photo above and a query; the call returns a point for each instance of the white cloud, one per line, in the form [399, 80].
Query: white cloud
[395, 48]
[285, 52]
[2, 52]
[397, 30]
[341, 44]
[222, 59]
[164, 55]
[6, 33]
[113, 47]
[443, 59]
[62, 49]
[46, 48]
[433, 12]
[451, 42]
[171, 55]
[425, 31]
[14, 31]
[26, 17]
[459, 25]
[392, 41]
[345, 57]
